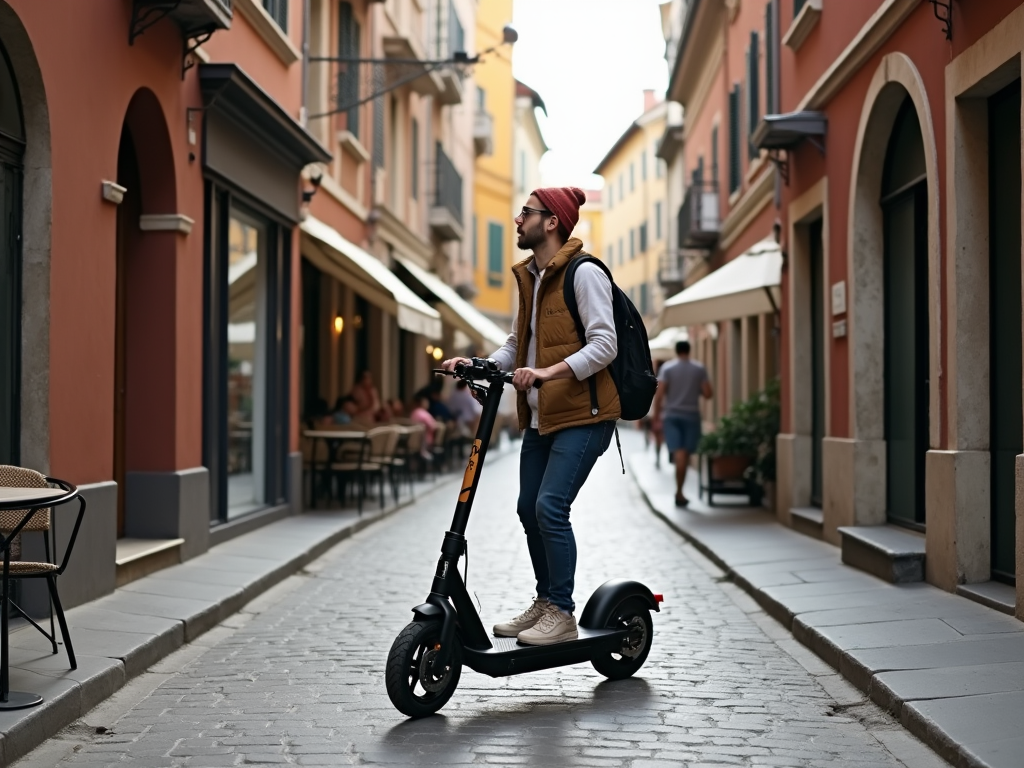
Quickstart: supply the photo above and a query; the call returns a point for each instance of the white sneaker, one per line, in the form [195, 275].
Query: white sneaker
[555, 626]
[524, 620]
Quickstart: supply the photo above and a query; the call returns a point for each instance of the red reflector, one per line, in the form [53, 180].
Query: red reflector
[659, 598]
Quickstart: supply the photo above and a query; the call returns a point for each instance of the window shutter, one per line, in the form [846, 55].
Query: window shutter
[753, 90]
[797, 6]
[657, 220]
[770, 107]
[643, 298]
[348, 74]
[734, 139]
[495, 255]
[714, 154]
[643, 237]
[476, 243]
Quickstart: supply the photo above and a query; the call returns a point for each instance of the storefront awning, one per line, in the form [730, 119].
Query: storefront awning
[369, 277]
[663, 346]
[456, 311]
[747, 285]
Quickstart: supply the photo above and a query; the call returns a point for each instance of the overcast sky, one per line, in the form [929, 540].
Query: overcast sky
[590, 60]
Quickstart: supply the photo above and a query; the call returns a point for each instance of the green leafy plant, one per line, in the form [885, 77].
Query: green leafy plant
[749, 430]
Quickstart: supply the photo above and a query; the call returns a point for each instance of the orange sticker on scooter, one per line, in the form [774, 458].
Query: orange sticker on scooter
[467, 479]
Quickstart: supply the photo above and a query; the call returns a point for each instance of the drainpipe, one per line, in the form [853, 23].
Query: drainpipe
[303, 110]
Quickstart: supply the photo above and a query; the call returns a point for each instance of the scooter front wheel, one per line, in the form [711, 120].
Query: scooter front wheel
[625, 661]
[414, 686]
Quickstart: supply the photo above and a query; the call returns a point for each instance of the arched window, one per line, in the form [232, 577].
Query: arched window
[12, 151]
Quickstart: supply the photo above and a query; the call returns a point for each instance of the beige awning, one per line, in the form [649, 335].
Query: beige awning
[369, 277]
[456, 311]
[663, 346]
[747, 285]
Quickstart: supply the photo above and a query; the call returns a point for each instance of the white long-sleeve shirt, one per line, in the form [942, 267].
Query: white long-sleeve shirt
[594, 299]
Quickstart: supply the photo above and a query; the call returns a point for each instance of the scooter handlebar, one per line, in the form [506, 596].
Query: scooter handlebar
[482, 369]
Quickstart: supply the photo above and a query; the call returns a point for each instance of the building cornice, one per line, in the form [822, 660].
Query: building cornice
[395, 233]
[871, 37]
[751, 203]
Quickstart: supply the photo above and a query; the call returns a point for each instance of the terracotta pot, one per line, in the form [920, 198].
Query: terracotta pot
[729, 467]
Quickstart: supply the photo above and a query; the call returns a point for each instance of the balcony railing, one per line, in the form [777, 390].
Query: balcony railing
[699, 221]
[446, 210]
[483, 132]
[671, 272]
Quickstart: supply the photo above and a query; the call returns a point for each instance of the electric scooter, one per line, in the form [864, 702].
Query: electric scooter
[425, 662]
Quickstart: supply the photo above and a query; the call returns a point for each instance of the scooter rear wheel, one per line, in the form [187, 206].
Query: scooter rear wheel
[413, 687]
[623, 663]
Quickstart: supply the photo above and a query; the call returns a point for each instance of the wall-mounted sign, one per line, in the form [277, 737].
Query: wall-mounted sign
[838, 329]
[839, 298]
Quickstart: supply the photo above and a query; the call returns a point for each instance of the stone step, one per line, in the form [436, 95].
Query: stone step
[808, 521]
[886, 551]
[136, 558]
[992, 594]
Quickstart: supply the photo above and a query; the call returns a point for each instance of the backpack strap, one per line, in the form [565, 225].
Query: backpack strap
[569, 297]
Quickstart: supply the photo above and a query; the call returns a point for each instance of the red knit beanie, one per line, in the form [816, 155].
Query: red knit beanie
[565, 203]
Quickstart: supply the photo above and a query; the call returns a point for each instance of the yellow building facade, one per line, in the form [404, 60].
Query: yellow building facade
[634, 228]
[492, 231]
[589, 228]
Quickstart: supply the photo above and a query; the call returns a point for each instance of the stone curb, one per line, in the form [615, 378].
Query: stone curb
[842, 661]
[70, 698]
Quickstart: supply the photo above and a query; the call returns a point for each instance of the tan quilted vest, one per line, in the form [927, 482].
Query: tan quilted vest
[563, 402]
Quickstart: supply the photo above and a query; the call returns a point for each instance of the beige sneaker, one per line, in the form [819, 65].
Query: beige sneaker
[524, 620]
[553, 627]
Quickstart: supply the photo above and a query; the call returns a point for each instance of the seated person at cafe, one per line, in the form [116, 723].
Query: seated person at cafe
[366, 396]
[437, 408]
[345, 410]
[464, 408]
[420, 414]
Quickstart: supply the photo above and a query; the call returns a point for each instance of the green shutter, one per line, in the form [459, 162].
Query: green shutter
[753, 90]
[495, 254]
[714, 156]
[734, 139]
[348, 74]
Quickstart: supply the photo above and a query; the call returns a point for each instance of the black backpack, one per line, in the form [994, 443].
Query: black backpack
[632, 369]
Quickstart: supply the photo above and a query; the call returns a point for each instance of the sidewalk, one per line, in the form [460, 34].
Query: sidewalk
[124, 633]
[950, 669]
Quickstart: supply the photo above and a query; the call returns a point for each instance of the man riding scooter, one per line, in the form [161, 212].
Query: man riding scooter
[563, 433]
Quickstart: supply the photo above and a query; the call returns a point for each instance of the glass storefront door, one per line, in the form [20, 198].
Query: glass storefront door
[247, 338]
[245, 403]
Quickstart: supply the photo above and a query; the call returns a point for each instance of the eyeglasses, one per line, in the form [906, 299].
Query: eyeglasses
[527, 211]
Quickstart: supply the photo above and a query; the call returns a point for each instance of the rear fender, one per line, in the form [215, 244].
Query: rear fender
[600, 608]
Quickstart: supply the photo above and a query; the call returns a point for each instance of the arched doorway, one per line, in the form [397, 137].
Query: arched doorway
[144, 331]
[904, 204]
[12, 152]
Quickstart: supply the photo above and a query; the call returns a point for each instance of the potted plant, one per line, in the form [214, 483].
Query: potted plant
[741, 451]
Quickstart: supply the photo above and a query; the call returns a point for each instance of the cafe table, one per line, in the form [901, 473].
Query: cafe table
[334, 438]
[28, 500]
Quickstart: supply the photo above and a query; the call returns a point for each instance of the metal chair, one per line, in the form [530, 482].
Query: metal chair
[43, 522]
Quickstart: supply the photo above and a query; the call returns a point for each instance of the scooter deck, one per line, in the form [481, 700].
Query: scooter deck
[509, 657]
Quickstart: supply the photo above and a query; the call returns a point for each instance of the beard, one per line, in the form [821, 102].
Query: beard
[530, 238]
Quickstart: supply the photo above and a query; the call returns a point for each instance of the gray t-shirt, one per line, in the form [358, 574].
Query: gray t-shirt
[682, 380]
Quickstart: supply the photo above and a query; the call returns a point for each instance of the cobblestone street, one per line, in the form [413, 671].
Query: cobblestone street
[297, 678]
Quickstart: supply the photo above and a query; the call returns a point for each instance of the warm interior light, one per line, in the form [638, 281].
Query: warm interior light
[339, 324]
[430, 349]
[438, 353]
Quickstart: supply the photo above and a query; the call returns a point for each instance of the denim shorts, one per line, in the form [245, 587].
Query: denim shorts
[682, 432]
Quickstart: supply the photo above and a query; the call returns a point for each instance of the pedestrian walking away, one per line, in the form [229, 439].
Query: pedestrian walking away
[682, 382]
[563, 433]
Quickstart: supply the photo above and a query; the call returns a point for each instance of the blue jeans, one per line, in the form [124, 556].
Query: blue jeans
[552, 469]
